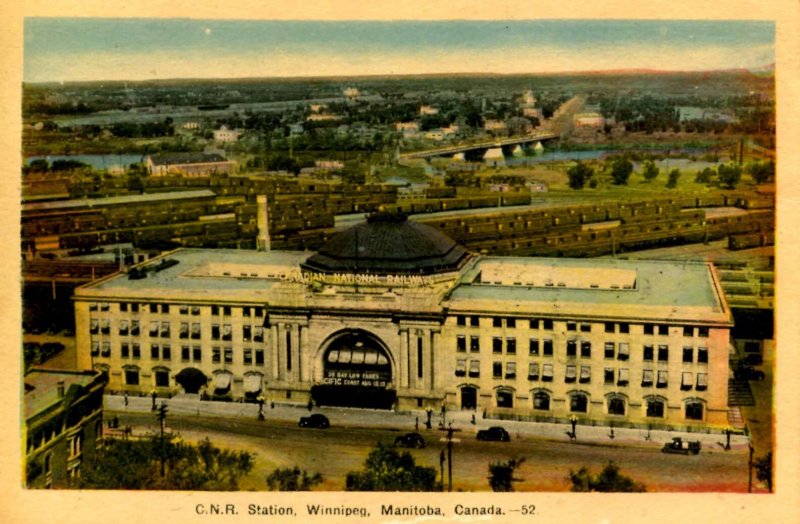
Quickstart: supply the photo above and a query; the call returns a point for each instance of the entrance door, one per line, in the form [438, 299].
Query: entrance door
[469, 397]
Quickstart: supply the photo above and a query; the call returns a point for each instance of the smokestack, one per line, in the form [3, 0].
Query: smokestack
[60, 389]
[262, 240]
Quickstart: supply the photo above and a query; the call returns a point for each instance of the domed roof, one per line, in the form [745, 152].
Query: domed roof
[388, 244]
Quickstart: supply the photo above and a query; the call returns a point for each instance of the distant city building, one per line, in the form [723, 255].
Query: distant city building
[225, 135]
[591, 120]
[408, 129]
[394, 313]
[495, 126]
[316, 117]
[428, 110]
[434, 134]
[188, 164]
[532, 112]
[329, 164]
[191, 126]
[63, 424]
[351, 92]
[689, 113]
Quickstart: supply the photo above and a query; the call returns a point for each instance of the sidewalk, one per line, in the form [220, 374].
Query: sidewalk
[406, 421]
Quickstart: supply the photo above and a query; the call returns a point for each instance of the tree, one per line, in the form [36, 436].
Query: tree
[129, 464]
[650, 171]
[764, 470]
[579, 174]
[674, 175]
[292, 479]
[621, 170]
[762, 171]
[704, 176]
[729, 175]
[386, 469]
[608, 480]
[501, 474]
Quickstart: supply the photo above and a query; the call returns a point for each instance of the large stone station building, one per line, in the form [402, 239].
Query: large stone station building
[393, 313]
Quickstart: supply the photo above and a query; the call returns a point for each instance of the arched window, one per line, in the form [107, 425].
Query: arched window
[694, 410]
[578, 403]
[616, 406]
[505, 398]
[655, 408]
[541, 400]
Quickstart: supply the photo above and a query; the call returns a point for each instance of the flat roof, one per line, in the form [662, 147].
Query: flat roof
[41, 387]
[117, 200]
[636, 289]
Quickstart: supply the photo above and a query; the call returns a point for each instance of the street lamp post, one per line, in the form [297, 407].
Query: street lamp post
[450, 457]
[750, 469]
[153, 395]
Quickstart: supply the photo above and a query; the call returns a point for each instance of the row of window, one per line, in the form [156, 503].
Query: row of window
[585, 327]
[186, 330]
[188, 354]
[611, 350]
[582, 374]
[579, 403]
[134, 307]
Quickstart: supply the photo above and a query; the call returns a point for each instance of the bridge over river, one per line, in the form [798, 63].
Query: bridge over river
[480, 148]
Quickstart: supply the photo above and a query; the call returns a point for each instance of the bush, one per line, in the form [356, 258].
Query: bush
[608, 480]
[386, 469]
[501, 474]
[672, 181]
[650, 171]
[292, 479]
[579, 174]
[621, 170]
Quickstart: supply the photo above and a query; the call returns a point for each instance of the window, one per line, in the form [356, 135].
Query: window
[246, 311]
[694, 410]
[153, 308]
[608, 376]
[547, 347]
[474, 368]
[134, 327]
[183, 310]
[511, 322]
[702, 332]
[136, 351]
[95, 348]
[663, 353]
[648, 352]
[92, 306]
[258, 312]
[259, 356]
[162, 379]
[686, 380]
[547, 372]
[123, 327]
[533, 323]
[655, 408]
[533, 371]
[195, 330]
[541, 400]
[688, 354]
[166, 352]
[247, 356]
[75, 445]
[533, 346]
[497, 322]
[215, 310]
[94, 326]
[702, 382]
[547, 324]
[571, 374]
[497, 369]
[609, 327]
[165, 329]
[623, 377]
[572, 348]
[586, 349]
[461, 367]
[214, 331]
[474, 344]
[572, 326]
[125, 350]
[184, 332]
[608, 350]
[623, 353]
[185, 353]
[497, 345]
[616, 406]
[586, 327]
[474, 321]
[688, 331]
[586, 374]
[106, 349]
[647, 378]
[228, 355]
[662, 379]
[649, 329]
[511, 370]
[154, 351]
[195, 310]
[226, 310]
[461, 320]
[578, 402]
[511, 346]
[702, 355]
[105, 326]
[227, 332]
[505, 399]
[419, 354]
[258, 334]
[154, 328]
[134, 308]
[461, 343]
[624, 327]
[131, 377]
[663, 329]
[247, 333]
[216, 355]
[165, 308]
[197, 353]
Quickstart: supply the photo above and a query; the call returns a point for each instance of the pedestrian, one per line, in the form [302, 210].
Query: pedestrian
[310, 404]
[125, 399]
[574, 421]
[115, 422]
[154, 394]
[416, 423]
[473, 419]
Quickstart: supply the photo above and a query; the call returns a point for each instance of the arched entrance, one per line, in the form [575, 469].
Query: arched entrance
[469, 397]
[357, 372]
[191, 379]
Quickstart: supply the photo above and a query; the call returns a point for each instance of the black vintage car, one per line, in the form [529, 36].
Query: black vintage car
[410, 440]
[683, 447]
[315, 421]
[494, 433]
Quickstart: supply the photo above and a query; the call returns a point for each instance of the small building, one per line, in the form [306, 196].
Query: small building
[63, 424]
[188, 164]
[436, 135]
[408, 129]
[590, 120]
[495, 126]
[428, 110]
[226, 136]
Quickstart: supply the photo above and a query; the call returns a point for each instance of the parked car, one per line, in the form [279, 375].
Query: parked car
[494, 433]
[748, 373]
[410, 440]
[315, 421]
[684, 447]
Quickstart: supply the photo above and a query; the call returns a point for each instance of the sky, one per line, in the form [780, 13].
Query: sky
[81, 49]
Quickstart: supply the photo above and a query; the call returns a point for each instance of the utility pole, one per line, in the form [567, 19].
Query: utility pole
[450, 458]
[750, 469]
[162, 416]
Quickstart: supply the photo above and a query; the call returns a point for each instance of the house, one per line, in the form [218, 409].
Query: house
[188, 164]
[226, 136]
[589, 120]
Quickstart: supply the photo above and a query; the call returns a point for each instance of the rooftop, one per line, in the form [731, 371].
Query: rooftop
[117, 200]
[41, 387]
[162, 159]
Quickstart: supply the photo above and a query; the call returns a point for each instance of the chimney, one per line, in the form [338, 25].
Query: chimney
[262, 240]
[60, 389]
